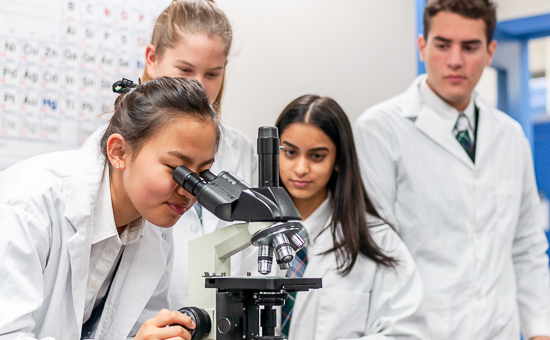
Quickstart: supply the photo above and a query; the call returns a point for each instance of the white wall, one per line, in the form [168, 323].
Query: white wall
[514, 9]
[357, 52]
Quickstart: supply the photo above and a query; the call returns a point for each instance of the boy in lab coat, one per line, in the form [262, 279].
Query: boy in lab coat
[456, 178]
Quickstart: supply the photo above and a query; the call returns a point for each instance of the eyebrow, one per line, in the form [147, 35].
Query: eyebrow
[322, 148]
[191, 65]
[445, 40]
[290, 144]
[186, 159]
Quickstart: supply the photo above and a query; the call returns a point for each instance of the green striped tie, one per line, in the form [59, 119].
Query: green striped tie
[463, 135]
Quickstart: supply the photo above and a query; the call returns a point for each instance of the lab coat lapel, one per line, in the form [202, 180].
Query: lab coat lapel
[79, 247]
[489, 127]
[318, 266]
[79, 214]
[430, 124]
[140, 274]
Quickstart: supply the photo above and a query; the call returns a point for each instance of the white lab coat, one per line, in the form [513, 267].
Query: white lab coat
[46, 222]
[475, 231]
[371, 302]
[237, 154]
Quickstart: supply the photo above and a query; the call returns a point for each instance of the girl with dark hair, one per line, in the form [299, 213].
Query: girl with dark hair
[192, 39]
[77, 259]
[371, 288]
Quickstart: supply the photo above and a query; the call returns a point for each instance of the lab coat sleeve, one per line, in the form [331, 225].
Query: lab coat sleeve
[395, 310]
[24, 249]
[529, 257]
[377, 161]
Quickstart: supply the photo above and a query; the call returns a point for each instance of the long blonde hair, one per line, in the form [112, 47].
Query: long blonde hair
[195, 17]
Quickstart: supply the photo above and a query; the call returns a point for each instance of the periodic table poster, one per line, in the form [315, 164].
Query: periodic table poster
[58, 61]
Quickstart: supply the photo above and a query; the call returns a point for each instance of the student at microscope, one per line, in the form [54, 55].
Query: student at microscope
[371, 287]
[77, 259]
[192, 39]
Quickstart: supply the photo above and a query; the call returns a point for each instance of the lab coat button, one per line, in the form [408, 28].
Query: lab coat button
[194, 228]
[94, 284]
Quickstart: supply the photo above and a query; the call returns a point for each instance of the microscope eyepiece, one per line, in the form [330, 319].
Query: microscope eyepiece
[208, 175]
[268, 156]
[189, 180]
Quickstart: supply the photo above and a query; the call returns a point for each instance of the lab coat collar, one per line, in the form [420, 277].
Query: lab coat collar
[104, 219]
[439, 128]
[85, 186]
[318, 221]
[448, 113]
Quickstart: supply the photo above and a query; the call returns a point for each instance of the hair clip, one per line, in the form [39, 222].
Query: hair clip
[125, 85]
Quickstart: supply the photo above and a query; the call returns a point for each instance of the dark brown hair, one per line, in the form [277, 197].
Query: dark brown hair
[350, 203]
[472, 9]
[194, 17]
[139, 114]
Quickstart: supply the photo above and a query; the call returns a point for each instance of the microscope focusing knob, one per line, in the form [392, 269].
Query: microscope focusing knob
[200, 317]
[225, 326]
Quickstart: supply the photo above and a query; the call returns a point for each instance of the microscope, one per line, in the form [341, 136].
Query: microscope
[230, 308]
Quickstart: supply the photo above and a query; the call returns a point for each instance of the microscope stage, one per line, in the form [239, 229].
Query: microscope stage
[263, 284]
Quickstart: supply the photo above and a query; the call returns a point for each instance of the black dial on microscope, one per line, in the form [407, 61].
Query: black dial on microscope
[200, 317]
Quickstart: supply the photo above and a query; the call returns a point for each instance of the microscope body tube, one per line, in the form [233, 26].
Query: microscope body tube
[268, 157]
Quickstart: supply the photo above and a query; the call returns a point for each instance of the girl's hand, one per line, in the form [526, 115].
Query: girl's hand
[166, 325]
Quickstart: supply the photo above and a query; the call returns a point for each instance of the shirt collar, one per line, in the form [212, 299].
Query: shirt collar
[104, 219]
[445, 111]
[133, 232]
[318, 220]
